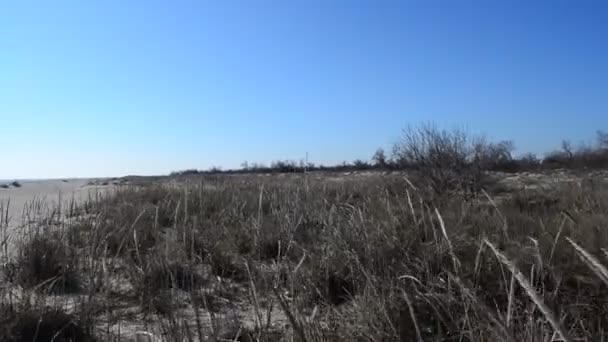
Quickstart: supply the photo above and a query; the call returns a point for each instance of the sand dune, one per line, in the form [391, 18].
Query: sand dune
[50, 191]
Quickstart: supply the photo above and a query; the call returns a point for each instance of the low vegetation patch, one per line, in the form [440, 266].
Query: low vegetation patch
[42, 325]
[380, 257]
[46, 264]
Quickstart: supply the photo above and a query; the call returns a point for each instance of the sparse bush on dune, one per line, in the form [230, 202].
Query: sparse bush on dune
[14, 184]
[445, 161]
[185, 172]
[46, 264]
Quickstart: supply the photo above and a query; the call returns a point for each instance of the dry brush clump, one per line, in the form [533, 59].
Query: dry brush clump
[45, 263]
[311, 259]
[451, 161]
[42, 324]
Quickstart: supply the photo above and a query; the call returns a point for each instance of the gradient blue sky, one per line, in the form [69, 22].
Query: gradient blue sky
[110, 88]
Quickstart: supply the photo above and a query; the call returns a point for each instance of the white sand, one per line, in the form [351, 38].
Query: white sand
[50, 191]
[46, 192]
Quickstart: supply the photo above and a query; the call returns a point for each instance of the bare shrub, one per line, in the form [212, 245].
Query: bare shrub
[379, 158]
[494, 156]
[443, 159]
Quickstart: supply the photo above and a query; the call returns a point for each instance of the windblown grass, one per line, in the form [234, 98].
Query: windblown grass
[319, 259]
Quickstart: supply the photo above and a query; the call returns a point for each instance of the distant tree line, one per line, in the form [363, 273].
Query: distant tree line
[583, 157]
[445, 155]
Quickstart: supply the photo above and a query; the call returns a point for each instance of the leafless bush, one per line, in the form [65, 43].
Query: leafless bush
[493, 156]
[448, 161]
[379, 158]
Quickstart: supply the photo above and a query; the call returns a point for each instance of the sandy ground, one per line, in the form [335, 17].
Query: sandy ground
[49, 191]
[47, 194]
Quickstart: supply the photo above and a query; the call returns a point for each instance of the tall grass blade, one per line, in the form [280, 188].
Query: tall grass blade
[536, 298]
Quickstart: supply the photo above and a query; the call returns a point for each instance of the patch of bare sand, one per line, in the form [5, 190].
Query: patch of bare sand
[37, 198]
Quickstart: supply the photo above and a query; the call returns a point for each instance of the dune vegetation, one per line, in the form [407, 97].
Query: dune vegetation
[317, 256]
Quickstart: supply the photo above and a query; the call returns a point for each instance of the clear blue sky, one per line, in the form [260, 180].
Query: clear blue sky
[145, 87]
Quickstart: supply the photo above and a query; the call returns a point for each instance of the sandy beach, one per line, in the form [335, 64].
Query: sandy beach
[47, 192]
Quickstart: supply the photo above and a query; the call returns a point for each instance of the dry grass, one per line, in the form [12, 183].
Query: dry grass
[255, 258]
